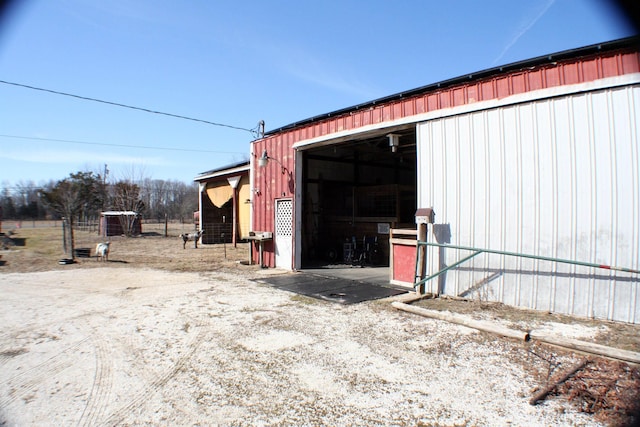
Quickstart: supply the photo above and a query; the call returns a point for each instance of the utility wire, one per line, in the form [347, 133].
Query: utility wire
[254, 132]
[121, 145]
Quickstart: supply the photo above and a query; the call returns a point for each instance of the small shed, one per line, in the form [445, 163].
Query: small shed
[116, 223]
[224, 203]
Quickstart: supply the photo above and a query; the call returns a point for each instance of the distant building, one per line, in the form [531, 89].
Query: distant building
[115, 223]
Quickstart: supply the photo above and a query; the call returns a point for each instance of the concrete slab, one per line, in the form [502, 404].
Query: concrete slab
[374, 275]
[342, 289]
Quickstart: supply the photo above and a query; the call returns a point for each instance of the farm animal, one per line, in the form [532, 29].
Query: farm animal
[102, 251]
[191, 236]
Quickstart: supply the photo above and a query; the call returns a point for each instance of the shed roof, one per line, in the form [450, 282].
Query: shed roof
[234, 168]
[628, 42]
[119, 213]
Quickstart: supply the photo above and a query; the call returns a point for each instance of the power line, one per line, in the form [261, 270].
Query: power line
[18, 188]
[255, 131]
[121, 145]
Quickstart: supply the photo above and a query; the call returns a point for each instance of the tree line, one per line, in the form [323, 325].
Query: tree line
[85, 194]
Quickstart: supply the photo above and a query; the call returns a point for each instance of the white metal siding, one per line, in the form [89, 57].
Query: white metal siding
[557, 177]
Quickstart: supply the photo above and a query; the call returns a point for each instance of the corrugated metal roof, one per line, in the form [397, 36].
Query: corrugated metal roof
[515, 66]
[229, 169]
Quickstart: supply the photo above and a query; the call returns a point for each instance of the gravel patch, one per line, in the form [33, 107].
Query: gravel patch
[107, 346]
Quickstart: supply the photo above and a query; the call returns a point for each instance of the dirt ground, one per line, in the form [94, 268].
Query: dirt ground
[162, 335]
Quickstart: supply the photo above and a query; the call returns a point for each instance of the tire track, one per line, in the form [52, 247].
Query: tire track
[139, 398]
[20, 384]
[102, 383]
[4, 359]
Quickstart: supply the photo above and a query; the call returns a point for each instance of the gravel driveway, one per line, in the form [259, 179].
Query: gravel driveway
[107, 346]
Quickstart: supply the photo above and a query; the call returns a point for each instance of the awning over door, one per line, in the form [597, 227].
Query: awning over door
[219, 193]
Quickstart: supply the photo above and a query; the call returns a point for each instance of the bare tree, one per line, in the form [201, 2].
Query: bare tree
[69, 197]
[126, 198]
[173, 199]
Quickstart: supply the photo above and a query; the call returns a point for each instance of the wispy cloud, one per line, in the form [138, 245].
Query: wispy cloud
[291, 57]
[524, 28]
[48, 156]
[305, 65]
[323, 74]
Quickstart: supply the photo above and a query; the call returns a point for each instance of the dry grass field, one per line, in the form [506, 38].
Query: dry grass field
[39, 248]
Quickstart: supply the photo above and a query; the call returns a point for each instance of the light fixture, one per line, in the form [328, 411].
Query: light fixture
[394, 141]
[264, 160]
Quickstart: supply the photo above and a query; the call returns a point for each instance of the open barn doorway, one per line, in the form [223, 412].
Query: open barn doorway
[353, 193]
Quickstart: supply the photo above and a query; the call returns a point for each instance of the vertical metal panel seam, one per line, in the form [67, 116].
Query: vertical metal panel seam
[472, 171]
[487, 185]
[519, 213]
[502, 129]
[536, 192]
[554, 198]
[574, 202]
[600, 67]
[635, 168]
[561, 74]
[458, 196]
[439, 194]
[594, 199]
[442, 193]
[581, 65]
[614, 201]
[635, 186]
[459, 177]
[503, 192]
[476, 211]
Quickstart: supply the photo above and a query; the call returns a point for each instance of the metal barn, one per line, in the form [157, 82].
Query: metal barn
[538, 157]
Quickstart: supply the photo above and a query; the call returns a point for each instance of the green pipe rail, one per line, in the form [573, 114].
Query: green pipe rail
[478, 251]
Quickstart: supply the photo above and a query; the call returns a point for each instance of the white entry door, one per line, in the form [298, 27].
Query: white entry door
[284, 233]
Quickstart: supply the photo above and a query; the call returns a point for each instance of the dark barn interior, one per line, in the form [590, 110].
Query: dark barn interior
[353, 193]
[217, 222]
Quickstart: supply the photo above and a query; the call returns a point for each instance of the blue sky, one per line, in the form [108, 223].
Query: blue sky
[236, 63]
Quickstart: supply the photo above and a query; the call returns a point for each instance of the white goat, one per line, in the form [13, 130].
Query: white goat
[102, 251]
[191, 236]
